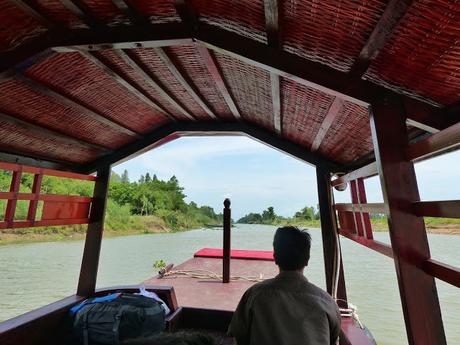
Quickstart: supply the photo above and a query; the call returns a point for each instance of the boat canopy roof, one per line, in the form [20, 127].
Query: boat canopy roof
[88, 83]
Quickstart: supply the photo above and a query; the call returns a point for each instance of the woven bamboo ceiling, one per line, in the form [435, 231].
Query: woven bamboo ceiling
[85, 83]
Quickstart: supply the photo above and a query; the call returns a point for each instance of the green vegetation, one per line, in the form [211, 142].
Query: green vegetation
[309, 217]
[144, 206]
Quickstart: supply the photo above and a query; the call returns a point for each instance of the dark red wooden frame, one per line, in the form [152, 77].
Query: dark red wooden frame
[410, 250]
[57, 209]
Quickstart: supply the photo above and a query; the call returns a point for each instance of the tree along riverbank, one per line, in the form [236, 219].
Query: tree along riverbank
[149, 205]
[309, 217]
[134, 225]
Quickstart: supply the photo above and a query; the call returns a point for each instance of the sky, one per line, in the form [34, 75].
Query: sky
[255, 176]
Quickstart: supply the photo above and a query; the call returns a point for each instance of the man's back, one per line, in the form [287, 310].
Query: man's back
[286, 310]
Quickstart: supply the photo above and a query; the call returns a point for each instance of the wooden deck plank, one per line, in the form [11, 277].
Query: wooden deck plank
[210, 293]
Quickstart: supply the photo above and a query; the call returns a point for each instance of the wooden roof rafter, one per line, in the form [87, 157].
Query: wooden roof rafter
[82, 11]
[34, 11]
[155, 84]
[214, 70]
[73, 104]
[52, 134]
[331, 115]
[394, 12]
[130, 86]
[184, 81]
[273, 39]
[287, 65]
[175, 130]
[189, 18]
[130, 10]
[133, 88]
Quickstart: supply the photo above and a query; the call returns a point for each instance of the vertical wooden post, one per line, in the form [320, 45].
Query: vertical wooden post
[90, 261]
[329, 234]
[11, 204]
[409, 241]
[226, 246]
[36, 186]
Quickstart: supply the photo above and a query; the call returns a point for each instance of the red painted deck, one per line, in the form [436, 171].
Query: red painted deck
[264, 255]
[210, 293]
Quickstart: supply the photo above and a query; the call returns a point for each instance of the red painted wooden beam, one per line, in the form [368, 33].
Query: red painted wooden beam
[446, 208]
[444, 140]
[445, 272]
[91, 252]
[408, 236]
[44, 171]
[378, 246]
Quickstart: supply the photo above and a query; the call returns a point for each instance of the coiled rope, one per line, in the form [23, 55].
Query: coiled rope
[206, 274]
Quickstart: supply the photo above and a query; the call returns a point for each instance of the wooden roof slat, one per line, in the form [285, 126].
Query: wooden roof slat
[394, 12]
[33, 11]
[271, 12]
[214, 70]
[276, 100]
[136, 66]
[272, 23]
[288, 65]
[177, 129]
[130, 86]
[313, 74]
[66, 101]
[184, 82]
[130, 10]
[331, 115]
[82, 11]
[50, 133]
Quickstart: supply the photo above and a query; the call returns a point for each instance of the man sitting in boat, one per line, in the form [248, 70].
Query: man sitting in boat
[288, 309]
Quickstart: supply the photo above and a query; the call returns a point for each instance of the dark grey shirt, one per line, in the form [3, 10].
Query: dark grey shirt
[286, 310]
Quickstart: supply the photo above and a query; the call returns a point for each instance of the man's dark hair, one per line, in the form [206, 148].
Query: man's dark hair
[291, 248]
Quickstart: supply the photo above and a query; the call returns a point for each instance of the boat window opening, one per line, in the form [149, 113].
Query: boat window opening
[26, 182]
[22, 208]
[446, 168]
[383, 304]
[449, 299]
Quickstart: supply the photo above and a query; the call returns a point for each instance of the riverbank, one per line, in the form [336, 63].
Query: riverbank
[443, 226]
[134, 225]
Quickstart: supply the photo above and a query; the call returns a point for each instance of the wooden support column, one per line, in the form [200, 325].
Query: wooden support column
[409, 241]
[332, 256]
[90, 261]
[226, 255]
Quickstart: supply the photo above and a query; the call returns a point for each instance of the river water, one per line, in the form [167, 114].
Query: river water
[35, 274]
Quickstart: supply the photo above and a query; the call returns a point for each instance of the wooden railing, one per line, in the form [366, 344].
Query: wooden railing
[57, 209]
[354, 218]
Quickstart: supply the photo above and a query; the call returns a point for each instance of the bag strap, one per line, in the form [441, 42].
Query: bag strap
[116, 325]
[85, 329]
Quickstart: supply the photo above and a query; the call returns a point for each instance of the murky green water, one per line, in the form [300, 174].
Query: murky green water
[36, 274]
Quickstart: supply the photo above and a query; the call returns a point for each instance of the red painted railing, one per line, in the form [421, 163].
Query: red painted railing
[354, 219]
[57, 209]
